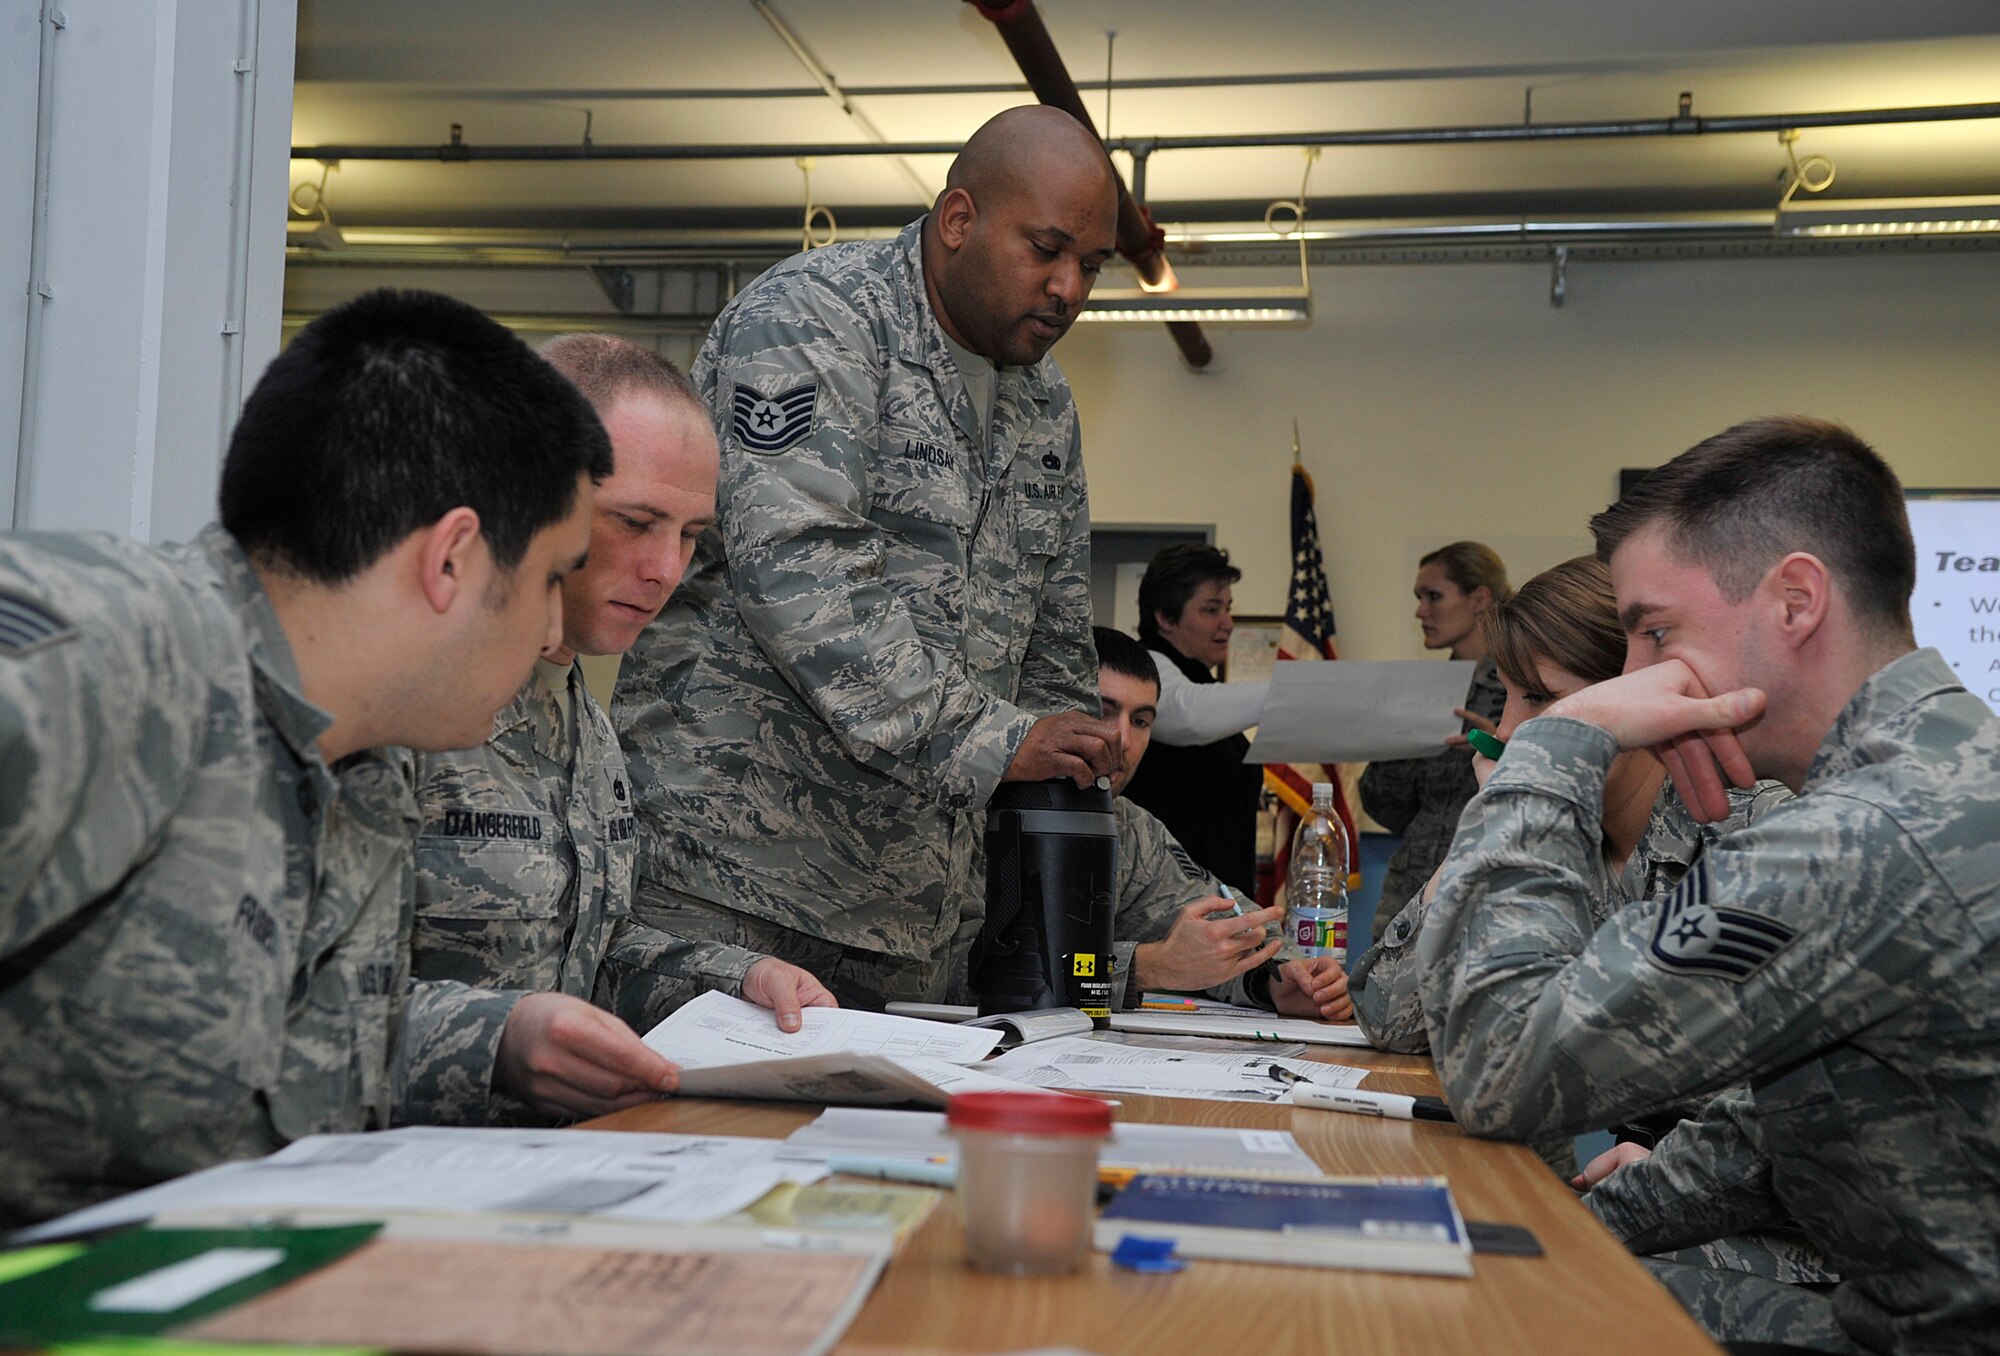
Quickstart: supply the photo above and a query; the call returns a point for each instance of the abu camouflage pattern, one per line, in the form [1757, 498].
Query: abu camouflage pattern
[203, 928]
[1867, 1041]
[525, 850]
[1383, 983]
[879, 616]
[1421, 799]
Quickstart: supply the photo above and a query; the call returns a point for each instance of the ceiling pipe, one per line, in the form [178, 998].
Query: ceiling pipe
[1407, 136]
[1139, 240]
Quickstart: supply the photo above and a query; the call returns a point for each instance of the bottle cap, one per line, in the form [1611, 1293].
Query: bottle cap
[1029, 1113]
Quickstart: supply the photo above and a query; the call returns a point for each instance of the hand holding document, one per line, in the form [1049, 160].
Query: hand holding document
[1358, 711]
[729, 1048]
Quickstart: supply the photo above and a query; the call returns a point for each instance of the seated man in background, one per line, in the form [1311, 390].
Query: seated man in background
[1840, 956]
[524, 859]
[1162, 893]
[204, 874]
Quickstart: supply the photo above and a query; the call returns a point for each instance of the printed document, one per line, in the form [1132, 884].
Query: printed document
[1073, 1063]
[1359, 710]
[844, 1131]
[664, 1179]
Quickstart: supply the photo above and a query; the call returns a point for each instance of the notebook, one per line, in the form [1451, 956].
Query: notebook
[1371, 1224]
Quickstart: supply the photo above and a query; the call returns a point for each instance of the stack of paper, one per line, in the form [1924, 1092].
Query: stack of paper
[843, 1131]
[1250, 1024]
[1072, 1063]
[673, 1180]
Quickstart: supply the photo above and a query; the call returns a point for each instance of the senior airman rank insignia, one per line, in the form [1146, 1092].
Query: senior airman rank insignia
[770, 424]
[1695, 936]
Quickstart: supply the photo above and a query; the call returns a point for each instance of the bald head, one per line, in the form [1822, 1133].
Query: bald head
[1021, 145]
[1027, 219]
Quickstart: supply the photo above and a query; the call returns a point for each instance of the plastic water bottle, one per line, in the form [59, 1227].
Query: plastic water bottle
[1316, 885]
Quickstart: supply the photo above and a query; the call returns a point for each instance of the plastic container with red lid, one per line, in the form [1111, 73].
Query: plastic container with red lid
[1027, 1177]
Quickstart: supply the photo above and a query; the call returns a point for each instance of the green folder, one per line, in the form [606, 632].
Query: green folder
[54, 1304]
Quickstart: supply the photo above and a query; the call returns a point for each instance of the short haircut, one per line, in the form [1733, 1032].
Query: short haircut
[605, 367]
[1472, 565]
[387, 413]
[1739, 502]
[1567, 616]
[1122, 654]
[1172, 578]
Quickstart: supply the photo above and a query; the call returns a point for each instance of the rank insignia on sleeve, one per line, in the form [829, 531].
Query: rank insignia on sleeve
[1695, 936]
[769, 424]
[1184, 860]
[26, 625]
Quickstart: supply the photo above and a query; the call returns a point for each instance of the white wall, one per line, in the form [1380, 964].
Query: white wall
[169, 138]
[1446, 401]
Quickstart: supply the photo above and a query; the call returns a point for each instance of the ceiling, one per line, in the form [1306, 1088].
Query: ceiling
[715, 71]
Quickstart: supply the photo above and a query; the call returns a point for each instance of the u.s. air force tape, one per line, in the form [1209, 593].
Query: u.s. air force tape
[769, 424]
[1693, 935]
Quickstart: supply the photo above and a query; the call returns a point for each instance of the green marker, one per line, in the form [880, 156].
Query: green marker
[1485, 743]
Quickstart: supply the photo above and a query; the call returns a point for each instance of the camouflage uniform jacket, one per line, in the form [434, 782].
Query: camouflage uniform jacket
[1383, 983]
[203, 928]
[1841, 956]
[524, 860]
[1421, 798]
[881, 613]
[1157, 878]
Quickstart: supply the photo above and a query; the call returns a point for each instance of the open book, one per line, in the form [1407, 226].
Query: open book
[729, 1048]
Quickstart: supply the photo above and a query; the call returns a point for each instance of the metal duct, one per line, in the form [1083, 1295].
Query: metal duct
[1139, 240]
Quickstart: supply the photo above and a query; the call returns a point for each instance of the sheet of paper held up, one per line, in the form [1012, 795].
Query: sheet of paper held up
[1357, 711]
[1070, 1062]
[654, 1178]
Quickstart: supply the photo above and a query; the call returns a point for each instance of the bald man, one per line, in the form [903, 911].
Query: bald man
[893, 614]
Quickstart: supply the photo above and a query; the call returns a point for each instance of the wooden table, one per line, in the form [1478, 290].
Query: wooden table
[1586, 1296]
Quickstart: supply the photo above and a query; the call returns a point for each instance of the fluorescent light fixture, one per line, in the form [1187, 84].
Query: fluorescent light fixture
[1890, 216]
[317, 235]
[1214, 305]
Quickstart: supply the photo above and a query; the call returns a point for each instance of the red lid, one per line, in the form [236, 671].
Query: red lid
[1029, 1113]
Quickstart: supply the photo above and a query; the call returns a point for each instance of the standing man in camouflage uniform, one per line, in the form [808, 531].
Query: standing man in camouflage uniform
[524, 859]
[204, 875]
[893, 614]
[1841, 956]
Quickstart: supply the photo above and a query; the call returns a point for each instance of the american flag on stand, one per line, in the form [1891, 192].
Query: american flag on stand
[1308, 634]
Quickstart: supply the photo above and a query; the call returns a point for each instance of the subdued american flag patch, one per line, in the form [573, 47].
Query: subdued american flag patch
[1696, 936]
[26, 624]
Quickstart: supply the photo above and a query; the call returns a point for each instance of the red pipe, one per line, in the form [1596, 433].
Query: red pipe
[1139, 240]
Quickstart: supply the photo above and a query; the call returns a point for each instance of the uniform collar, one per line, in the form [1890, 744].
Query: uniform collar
[1890, 690]
[923, 344]
[280, 693]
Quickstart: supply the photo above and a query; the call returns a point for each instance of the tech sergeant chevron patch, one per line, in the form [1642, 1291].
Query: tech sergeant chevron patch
[770, 424]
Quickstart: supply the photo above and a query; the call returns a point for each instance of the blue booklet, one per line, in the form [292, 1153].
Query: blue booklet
[1388, 1224]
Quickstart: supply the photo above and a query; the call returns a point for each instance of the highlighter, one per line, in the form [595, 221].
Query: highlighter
[1485, 743]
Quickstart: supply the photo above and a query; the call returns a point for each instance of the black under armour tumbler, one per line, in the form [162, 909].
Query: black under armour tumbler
[1051, 900]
